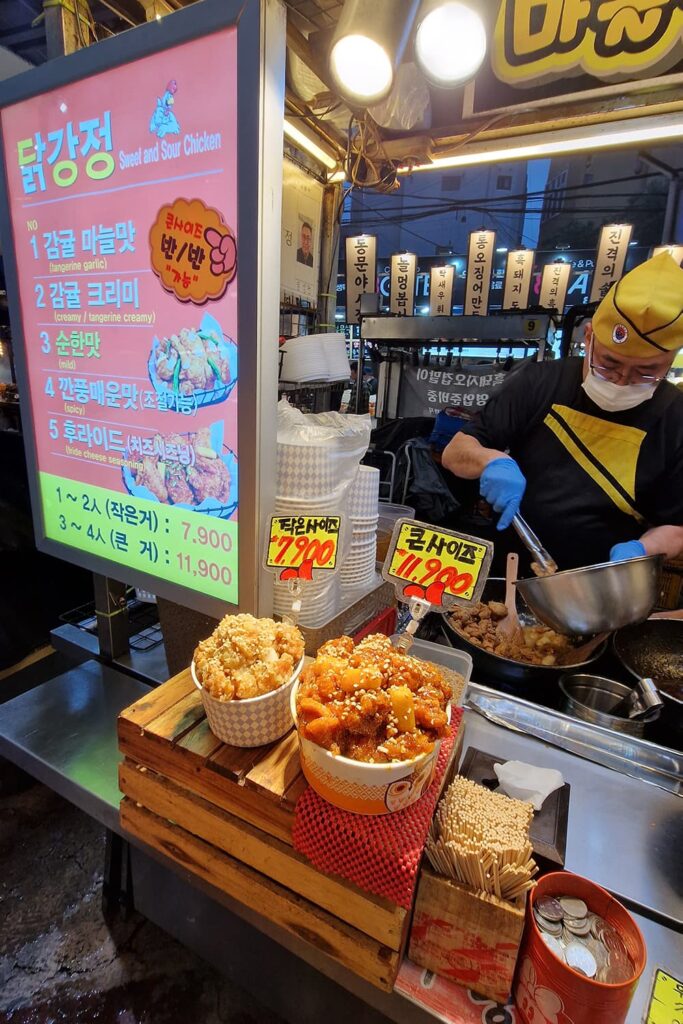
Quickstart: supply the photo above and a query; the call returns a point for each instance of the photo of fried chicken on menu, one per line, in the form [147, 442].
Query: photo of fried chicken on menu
[182, 469]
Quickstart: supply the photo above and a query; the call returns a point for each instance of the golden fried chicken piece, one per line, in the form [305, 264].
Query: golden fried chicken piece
[152, 476]
[246, 657]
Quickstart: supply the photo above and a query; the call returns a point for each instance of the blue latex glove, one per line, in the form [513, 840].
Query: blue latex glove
[627, 549]
[503, 484]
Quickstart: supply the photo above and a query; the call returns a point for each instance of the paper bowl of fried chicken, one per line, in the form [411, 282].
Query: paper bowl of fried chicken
[195, 365]
[245, 672]
[192, 470]
[370, 720]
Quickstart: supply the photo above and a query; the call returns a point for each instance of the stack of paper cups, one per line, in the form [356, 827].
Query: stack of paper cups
[320, 601]
[306, 473]
[306, 486]
[358, 568]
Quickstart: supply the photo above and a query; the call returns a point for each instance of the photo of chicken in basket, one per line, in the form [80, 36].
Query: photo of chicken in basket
[196, 363]
[192, 470]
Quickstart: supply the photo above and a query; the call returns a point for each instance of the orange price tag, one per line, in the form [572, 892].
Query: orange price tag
[194, 252]
[298, 545]
[436, 565]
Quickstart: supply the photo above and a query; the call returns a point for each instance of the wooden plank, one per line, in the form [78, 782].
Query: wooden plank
[188, 769]
[159, 700]
[178, 719]
[352, 949]
[376, 917]
[235, 762]
[273, 774]
[293, 792]
[200, 741]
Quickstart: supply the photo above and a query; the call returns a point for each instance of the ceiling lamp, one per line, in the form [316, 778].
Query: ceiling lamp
[367, 46]
[450, 42]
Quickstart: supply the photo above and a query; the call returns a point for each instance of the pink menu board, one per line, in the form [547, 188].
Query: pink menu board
[122, 190]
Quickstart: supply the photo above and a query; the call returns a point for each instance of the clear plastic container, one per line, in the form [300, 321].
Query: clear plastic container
[388, 514]
[448, 657]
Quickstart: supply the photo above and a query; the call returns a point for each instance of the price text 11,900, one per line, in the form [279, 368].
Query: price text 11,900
[200, 567]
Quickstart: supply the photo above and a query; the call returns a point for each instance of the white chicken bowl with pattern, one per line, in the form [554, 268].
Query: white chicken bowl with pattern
[400, 693]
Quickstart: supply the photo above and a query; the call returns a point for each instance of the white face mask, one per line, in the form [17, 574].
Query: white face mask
[616, 397]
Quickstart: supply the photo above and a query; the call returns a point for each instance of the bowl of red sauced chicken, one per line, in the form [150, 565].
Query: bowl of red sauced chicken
[370, 722]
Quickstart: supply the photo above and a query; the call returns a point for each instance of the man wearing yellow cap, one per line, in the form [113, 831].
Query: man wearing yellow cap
[591, 450]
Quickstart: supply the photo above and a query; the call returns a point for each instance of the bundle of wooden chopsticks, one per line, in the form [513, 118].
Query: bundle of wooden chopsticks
[482, 840]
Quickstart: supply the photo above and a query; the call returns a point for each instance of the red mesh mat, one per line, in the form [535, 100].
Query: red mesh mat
[380, 854]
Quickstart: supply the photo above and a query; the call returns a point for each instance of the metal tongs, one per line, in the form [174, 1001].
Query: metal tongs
[643, 702]
[542, 564]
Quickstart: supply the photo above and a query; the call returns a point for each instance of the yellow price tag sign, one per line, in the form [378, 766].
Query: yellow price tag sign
[300, 545]
[666, 1001]
[436, 565]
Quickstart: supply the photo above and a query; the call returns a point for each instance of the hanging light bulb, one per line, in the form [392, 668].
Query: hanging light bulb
[367, 45]
[450, 42]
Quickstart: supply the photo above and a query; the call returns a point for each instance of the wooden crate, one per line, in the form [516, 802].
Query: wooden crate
[226, 814]
[469, 938]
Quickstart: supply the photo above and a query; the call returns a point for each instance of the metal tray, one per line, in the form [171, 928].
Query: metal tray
[628, 755]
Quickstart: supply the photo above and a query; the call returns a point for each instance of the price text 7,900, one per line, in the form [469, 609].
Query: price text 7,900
[207, 536]
[305, 548]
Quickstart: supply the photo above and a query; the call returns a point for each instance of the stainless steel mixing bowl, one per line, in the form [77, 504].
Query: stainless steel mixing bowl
[597, 599]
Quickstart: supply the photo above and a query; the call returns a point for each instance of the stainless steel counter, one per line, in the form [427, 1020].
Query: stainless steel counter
[624, 834]
[63, 732]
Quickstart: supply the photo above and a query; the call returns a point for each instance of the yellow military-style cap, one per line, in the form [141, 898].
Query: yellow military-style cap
[642, 315]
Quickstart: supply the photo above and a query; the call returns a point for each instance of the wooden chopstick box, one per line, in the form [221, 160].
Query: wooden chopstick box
[469, 938]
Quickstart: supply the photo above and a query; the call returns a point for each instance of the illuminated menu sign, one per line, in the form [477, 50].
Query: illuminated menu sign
[122, 191]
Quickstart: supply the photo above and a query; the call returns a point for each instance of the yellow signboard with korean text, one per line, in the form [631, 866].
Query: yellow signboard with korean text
[612, 40]
[436, 565]
[301, 545]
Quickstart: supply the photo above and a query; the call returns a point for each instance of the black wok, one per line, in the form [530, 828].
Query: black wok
[655, 649]
[505, 669]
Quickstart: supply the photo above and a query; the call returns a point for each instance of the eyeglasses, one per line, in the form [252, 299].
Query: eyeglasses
[616, 374]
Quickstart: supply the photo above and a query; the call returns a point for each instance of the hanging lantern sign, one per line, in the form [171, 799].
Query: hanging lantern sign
[554, 284]
[361, 254]
[610, 258]
[403, 270]
[441, 291]
[479, 267]
[520, 264]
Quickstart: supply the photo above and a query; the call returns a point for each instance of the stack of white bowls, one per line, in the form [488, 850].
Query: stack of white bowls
[336, 355]
[306, 478]
[303, 359]
[306, 486]
[320, 601]
[315, 357]
[358, 567]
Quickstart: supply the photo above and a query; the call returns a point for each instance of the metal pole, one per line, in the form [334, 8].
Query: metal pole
[329, 258]
[111, 611]
[670, 211]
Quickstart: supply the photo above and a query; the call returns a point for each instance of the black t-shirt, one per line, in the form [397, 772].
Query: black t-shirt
[594, 478]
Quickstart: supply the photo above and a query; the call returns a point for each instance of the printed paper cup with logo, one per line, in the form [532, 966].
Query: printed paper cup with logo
[253, 722]
[361, 787]
[547, 990]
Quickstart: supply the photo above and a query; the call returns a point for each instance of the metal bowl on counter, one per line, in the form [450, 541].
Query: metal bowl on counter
[597, 599]
[494, 666]
[591, 698]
